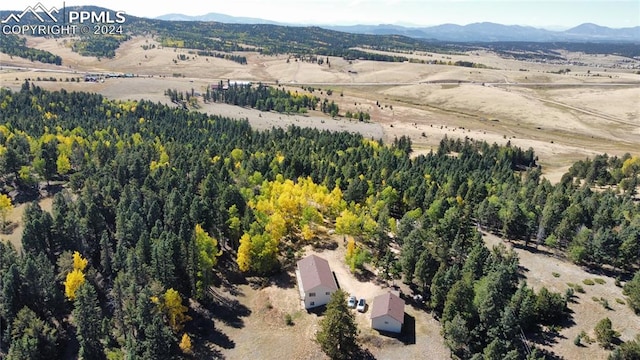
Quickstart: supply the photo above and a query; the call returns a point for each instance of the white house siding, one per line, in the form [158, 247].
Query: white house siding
[322, 297]
[386, 323]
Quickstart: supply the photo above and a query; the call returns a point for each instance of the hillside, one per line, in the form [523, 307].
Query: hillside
[476, 32]
[163, 184]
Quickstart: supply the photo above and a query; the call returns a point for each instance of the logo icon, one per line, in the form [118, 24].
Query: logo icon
[39, 11]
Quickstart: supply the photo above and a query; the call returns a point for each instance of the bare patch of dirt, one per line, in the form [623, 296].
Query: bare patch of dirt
[14, 236]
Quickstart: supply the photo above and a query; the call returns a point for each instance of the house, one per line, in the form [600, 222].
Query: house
[316, 282]
[387, 313]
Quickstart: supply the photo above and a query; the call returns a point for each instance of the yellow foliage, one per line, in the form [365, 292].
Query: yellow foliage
[185, 344]
[175, 311]
[237, 154]
[79, 263]
[207, 248]
[307, 232]
[348, 223]
[5, 207]
[244, 253]
[372, 143]
[277, 226]
[137, 139]
[631, 166]
[63, 164]
[351, 248]
[163, 161]
[74, 280]
[48, 115]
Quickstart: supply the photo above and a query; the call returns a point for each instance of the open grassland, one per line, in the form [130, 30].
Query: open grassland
[564, 117]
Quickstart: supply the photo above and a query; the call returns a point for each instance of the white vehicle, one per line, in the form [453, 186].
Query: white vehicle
[352, 302]
[362, 305]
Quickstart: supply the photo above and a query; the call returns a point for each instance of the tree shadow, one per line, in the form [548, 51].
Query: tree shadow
[546, 337]
[530, 247]
[567, 321]
[363, 354]
[549, 354]
[203, 326]
[324, 244]
[364, 275]
[206, 352]
[283, 280]
[9, 227]
[522, 270]
[229, 311]
[607, 271]
[318, 310]
[221, 339]
[24, 195]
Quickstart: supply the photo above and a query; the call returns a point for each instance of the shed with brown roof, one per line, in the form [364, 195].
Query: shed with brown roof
[387, 313]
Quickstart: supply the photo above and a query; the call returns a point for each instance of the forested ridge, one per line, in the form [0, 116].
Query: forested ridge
[156, 195]
[261, 97]
[14, 45]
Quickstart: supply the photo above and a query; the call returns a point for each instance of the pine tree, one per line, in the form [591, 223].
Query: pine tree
[338, 330]
[632, 290]
[87, 316]
[32, 338]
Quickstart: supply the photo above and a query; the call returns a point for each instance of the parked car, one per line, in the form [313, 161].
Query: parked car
[362, 305]
[352, 302]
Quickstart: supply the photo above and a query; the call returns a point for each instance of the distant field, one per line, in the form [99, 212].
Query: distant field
[564, 117]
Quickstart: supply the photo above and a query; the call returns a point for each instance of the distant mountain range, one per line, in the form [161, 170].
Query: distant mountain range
[484, 31]
[217, 18]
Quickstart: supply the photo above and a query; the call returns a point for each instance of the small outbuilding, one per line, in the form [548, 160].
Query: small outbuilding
[316, 282]
[387, 313]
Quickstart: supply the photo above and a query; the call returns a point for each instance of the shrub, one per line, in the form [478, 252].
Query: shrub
[577, 340]
[600, 281]
[576, 287]
[288, 320]
[605, 333]
[620, 301]
[583, 335]
[555, 274]
[569, 293]
[588, 282]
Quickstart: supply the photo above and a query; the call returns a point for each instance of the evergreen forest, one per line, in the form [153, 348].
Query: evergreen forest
[154, 203]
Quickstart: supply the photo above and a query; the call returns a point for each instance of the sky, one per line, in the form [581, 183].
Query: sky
[551, 14]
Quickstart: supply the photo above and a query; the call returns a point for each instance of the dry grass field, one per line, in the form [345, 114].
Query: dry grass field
[592, 109]
[564, 117]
